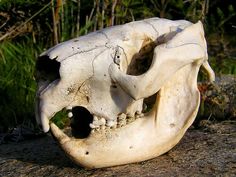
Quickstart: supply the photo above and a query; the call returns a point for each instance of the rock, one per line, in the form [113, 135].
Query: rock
[207, 151]
[218, 99]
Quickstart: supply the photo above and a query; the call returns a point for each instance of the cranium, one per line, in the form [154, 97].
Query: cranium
[132, 90]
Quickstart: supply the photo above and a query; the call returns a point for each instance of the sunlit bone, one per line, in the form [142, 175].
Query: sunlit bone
[96, 72]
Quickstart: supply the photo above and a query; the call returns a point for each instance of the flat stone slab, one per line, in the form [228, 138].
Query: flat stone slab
[208, 151]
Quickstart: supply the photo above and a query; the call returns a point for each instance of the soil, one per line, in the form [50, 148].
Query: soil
[209, 150]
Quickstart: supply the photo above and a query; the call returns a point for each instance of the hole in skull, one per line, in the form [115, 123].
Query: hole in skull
[142, 60]
[47, 69]
[80, 122]
[149, 102]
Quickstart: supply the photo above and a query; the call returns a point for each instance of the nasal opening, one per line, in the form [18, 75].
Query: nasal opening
[47, 69]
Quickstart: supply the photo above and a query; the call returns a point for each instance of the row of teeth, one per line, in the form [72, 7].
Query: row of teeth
[100, 123]
[122, 120]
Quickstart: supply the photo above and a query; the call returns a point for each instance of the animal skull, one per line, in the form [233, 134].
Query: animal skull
[108, 78]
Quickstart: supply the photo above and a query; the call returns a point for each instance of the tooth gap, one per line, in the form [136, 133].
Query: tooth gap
[80, 123]
[149, 102]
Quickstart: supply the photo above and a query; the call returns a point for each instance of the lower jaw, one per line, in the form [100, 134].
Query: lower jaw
[140, 140]
[136, 142]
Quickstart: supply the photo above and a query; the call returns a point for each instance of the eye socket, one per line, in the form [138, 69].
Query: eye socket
[47, 69]
[142, 60]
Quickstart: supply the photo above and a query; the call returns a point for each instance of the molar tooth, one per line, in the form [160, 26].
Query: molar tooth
[110, 123]
[70, 114]
[129, 115]
[103, 121]
[99, 122]
[121, 123]
[130, 119]
[122, 116]
[96, 123]
[103, 127]
[139, 115]
[114, 126]
[138, 112]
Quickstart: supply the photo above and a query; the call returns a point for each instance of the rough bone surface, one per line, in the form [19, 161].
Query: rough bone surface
[130, 90]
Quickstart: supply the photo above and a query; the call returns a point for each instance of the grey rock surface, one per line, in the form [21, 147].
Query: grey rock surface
[207, 151]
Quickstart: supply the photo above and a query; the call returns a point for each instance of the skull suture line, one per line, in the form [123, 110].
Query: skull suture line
[108, 78]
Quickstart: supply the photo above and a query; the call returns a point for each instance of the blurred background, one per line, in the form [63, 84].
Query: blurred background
[28, 27]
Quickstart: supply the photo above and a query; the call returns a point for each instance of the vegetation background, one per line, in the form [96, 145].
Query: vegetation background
[27, 27]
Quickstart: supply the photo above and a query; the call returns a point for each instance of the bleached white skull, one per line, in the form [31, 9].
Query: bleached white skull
[132, 90]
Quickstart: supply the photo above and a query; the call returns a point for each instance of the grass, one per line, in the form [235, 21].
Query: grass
[225, 66]
[61, 119]
[17, 59]
[17, 83]
[18, 86]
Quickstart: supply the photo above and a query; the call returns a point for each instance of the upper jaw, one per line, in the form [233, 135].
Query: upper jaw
[49, 102]
[45, 111]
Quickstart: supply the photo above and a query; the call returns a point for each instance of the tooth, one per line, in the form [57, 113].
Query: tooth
[139, 115]
[130, 119]
[95, 118]
[114, 126]
[129, 115]
[138, 112]
[69, 108]
[122, 116]
[92, 126]
[121, 123]
[103, 127]
[96, 123]
[103, 121]
[121, 120]
[110, 123]
[45, 123]
[70, 114]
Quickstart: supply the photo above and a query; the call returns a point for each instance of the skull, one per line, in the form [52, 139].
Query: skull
[131, 90]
